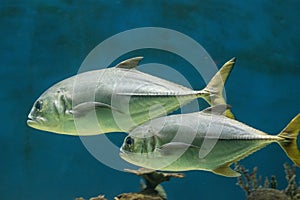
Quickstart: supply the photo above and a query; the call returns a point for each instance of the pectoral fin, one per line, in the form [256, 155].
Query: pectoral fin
[174, 148]
[86, 107]
[225, 170]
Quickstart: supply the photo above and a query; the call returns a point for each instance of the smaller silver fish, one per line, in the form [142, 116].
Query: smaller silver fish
[115, 99]
[205, 140]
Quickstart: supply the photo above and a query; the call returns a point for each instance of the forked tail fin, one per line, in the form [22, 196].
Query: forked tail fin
[216, 86]
[289, 144]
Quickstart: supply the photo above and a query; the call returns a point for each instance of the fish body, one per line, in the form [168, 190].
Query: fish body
[202, 141]
[119, 98]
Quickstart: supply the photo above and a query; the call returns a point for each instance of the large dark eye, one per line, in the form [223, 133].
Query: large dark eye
[129, 141]
[39, 105]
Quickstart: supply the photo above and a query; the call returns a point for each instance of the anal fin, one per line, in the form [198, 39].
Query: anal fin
[225, 170]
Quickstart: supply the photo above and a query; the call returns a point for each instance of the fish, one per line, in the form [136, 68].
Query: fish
[205, 140]
[116, 99]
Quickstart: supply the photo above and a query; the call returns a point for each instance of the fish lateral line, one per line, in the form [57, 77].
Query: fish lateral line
[170, 94]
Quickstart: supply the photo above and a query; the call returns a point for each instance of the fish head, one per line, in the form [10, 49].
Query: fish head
[50, 111]
[140, 149]
[138, 145]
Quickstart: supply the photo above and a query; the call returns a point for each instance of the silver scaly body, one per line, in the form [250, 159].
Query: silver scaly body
[115, 99]
[199, 141]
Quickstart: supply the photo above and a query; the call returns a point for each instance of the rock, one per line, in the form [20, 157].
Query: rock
[267, 194]
[137, 196]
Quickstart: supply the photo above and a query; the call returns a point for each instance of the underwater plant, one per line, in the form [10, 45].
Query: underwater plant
[252, 184]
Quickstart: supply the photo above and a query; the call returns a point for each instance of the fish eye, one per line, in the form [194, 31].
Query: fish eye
[129, 141]
[39, 105]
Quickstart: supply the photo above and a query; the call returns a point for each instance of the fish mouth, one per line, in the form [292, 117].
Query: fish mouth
[31, 122]
[126, 154]
[34, 121]
[123, 154]
[128, 157]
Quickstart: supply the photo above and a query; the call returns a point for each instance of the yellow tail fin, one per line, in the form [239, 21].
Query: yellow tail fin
[216, 86]
[290, 134]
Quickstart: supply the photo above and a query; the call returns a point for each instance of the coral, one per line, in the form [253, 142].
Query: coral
[151, 190]
[100, 197]
[291, 190]
[254, 189]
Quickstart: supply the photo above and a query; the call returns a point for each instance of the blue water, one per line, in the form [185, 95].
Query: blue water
[43, 42]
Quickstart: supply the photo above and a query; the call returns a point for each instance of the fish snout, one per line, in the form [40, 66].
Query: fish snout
[124, 155]
[33, 121]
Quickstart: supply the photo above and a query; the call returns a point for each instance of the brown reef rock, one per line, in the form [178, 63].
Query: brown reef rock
[151, 190]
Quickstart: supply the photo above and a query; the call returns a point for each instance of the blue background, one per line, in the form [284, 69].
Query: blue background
[43, 42]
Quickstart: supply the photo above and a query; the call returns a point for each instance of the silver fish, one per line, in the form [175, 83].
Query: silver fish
[120, 98]
[205, 140]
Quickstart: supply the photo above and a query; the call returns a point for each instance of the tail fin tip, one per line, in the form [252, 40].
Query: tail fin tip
[233, 60]
[290, 145]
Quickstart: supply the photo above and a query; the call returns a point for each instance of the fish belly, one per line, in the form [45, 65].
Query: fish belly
[224, 152]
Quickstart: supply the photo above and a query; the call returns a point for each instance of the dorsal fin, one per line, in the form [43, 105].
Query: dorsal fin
[217, 109]
[130, 63]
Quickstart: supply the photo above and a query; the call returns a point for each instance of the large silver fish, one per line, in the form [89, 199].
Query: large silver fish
[120, 98]
[205, 140]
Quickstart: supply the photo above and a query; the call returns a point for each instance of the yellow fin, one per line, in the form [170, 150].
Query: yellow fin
[221, 109]
[229, 114]
[216, 86]
[290, 134]
[225, 170]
